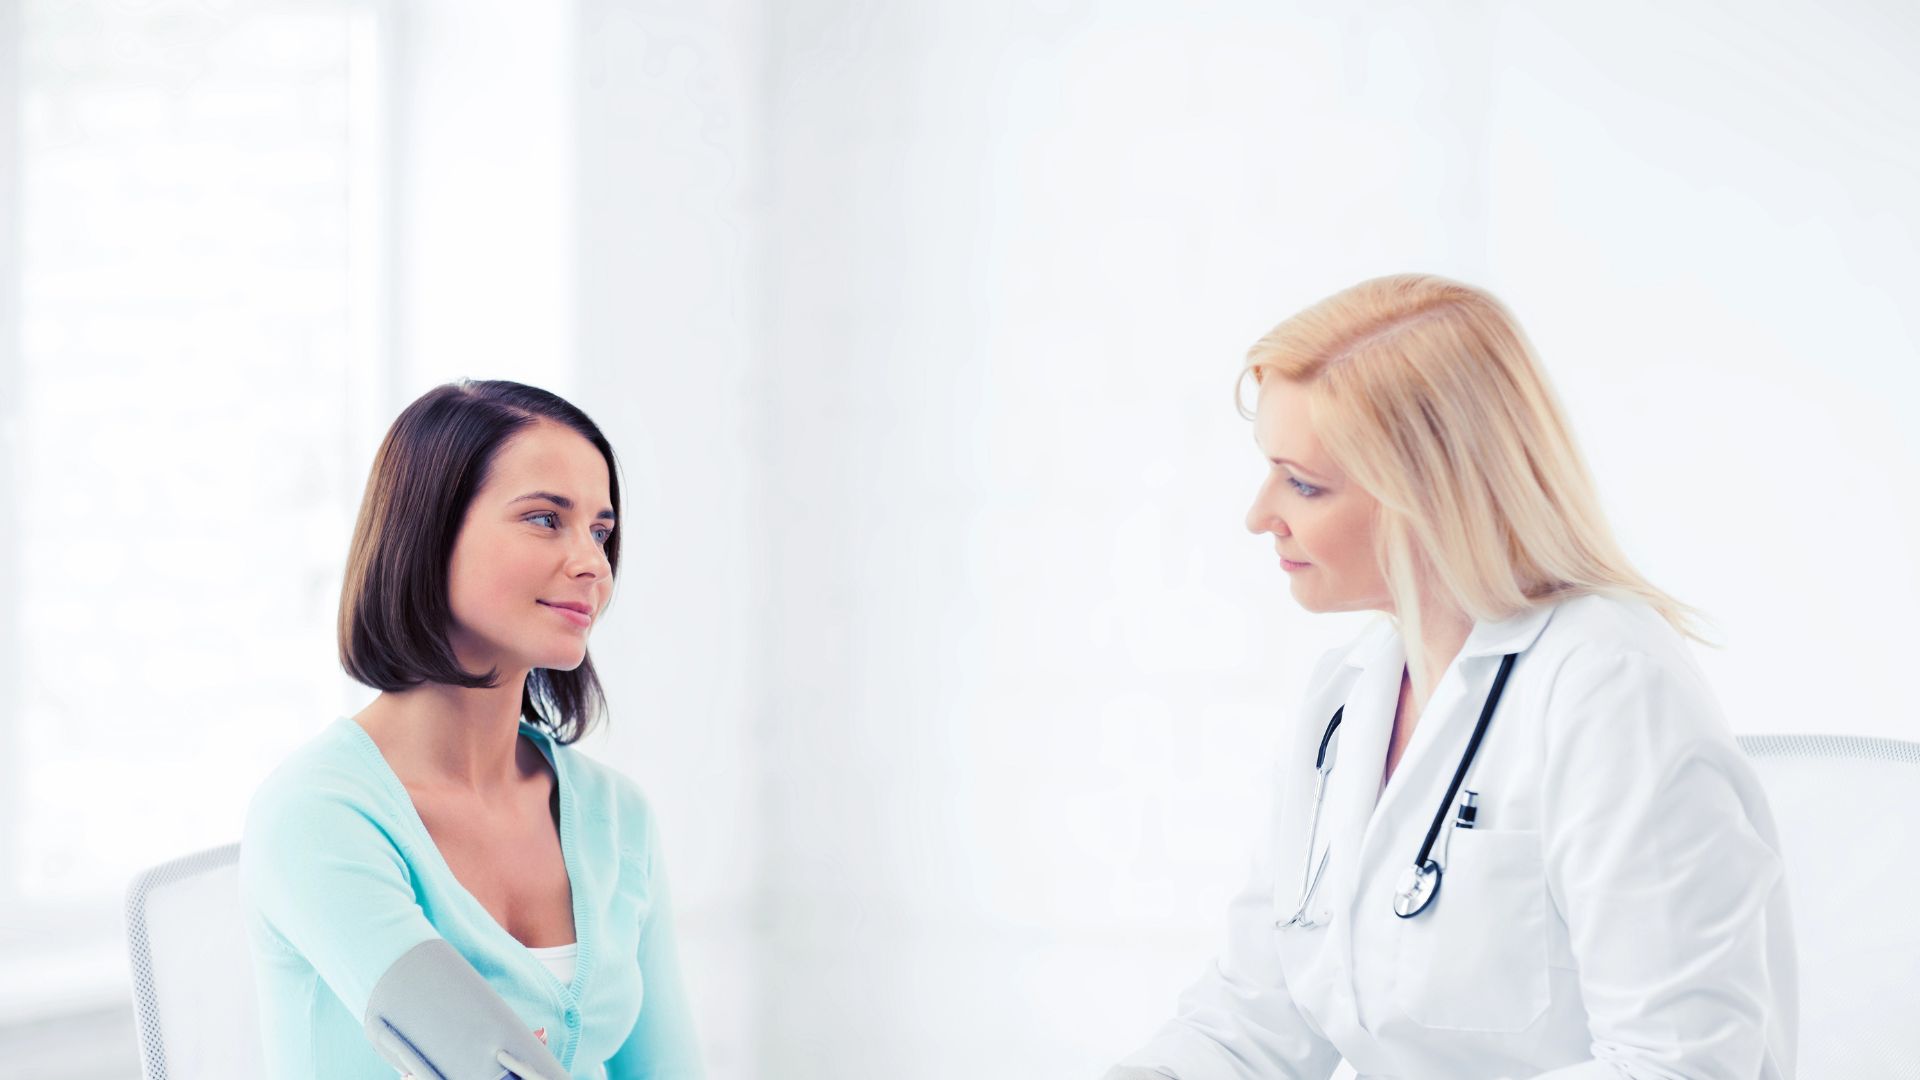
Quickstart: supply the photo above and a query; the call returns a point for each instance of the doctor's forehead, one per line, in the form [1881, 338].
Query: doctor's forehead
[1283, 425]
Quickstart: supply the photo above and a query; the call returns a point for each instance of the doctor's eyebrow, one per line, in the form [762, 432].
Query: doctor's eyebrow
[1282, 461]
[561, 501]
[1297, 467]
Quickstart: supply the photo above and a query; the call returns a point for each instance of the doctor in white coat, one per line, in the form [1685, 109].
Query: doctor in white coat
[1602, 896]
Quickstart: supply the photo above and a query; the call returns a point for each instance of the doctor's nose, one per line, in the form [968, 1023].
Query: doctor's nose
[1262, 518]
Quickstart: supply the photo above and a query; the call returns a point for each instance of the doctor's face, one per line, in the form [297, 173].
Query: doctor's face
[1322, 524]
[529, 574]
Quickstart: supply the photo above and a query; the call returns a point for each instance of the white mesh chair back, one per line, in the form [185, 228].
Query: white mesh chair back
[193, 988]
[1848, 809]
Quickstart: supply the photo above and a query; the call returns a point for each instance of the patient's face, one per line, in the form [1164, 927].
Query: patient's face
[533, 540]
[1315, 514]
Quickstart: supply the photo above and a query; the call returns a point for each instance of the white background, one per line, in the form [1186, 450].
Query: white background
[940, 645]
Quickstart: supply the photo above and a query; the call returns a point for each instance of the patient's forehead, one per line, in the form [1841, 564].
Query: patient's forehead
[553, 458]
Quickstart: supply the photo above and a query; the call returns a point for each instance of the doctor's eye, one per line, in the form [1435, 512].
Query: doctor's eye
[552, 518]
[1304, 488]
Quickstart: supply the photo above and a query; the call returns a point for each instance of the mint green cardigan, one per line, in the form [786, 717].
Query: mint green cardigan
[339, 878]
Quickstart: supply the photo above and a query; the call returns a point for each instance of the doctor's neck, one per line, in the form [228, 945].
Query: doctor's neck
[1441, 632]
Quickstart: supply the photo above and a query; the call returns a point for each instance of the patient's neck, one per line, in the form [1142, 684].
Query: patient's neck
[452, 737]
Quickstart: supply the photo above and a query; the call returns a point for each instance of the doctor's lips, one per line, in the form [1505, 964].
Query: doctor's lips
[1289, 565]
[574, 612]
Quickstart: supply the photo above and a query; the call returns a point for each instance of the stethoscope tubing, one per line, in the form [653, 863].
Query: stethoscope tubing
[1466, 759]
[1423, 863]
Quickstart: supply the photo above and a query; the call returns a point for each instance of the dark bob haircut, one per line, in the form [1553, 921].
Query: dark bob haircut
[394, 605]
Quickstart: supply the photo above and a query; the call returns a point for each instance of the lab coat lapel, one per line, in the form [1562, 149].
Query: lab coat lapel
[1354, 786]
[1441, 734]
[1439, 738]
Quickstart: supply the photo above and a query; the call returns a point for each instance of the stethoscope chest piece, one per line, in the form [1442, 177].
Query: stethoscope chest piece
[1419, 884]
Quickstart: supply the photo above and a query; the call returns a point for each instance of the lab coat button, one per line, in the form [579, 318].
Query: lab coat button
[573, 1016]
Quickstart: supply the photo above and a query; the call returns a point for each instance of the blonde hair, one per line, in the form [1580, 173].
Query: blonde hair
[1425, 392]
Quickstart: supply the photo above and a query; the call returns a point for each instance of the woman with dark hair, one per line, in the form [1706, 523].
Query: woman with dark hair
[441, 884]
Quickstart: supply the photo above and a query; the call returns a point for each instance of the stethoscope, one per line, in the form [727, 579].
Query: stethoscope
[1419, 883]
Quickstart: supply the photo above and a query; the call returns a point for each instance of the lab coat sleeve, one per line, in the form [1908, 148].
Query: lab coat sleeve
[1238, 1021]
[1655, 861]
[662, 1044]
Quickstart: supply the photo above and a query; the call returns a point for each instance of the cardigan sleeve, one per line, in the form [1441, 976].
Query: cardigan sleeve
[662, 1044]
[326, 878]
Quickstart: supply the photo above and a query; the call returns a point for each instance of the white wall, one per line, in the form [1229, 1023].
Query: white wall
[483, 168]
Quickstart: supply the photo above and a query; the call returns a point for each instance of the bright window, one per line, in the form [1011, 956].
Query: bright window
[200, 362]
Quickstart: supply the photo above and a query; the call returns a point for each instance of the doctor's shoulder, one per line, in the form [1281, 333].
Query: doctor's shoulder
[1615, 660]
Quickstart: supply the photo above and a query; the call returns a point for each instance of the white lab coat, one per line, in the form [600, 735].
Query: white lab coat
[1619, 911]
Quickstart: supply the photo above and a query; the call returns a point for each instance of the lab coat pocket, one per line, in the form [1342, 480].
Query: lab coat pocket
[1476, 959]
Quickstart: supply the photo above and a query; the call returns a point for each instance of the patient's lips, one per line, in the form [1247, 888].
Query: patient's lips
[574, 612]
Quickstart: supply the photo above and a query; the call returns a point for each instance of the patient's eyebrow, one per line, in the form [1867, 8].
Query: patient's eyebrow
[561, 501]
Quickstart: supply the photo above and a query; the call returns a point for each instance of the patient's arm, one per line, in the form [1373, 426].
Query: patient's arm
[326, 877]
[433, 1016]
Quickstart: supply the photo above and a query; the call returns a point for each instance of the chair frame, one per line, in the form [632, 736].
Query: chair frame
[146, 998]
[1865, 747]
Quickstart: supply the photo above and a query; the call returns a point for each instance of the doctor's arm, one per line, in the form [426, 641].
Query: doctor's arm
[1239, 1021]
[1659, 872]
[329, 884]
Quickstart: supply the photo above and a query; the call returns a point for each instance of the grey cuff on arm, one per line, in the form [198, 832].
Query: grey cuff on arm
[434, 1016]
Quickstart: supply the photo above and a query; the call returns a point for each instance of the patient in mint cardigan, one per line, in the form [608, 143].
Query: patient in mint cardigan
[442, 885]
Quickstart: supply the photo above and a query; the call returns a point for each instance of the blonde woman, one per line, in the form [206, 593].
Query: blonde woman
[1511, 834]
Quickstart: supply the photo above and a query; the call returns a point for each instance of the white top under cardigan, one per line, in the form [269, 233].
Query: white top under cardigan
[559, 959]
